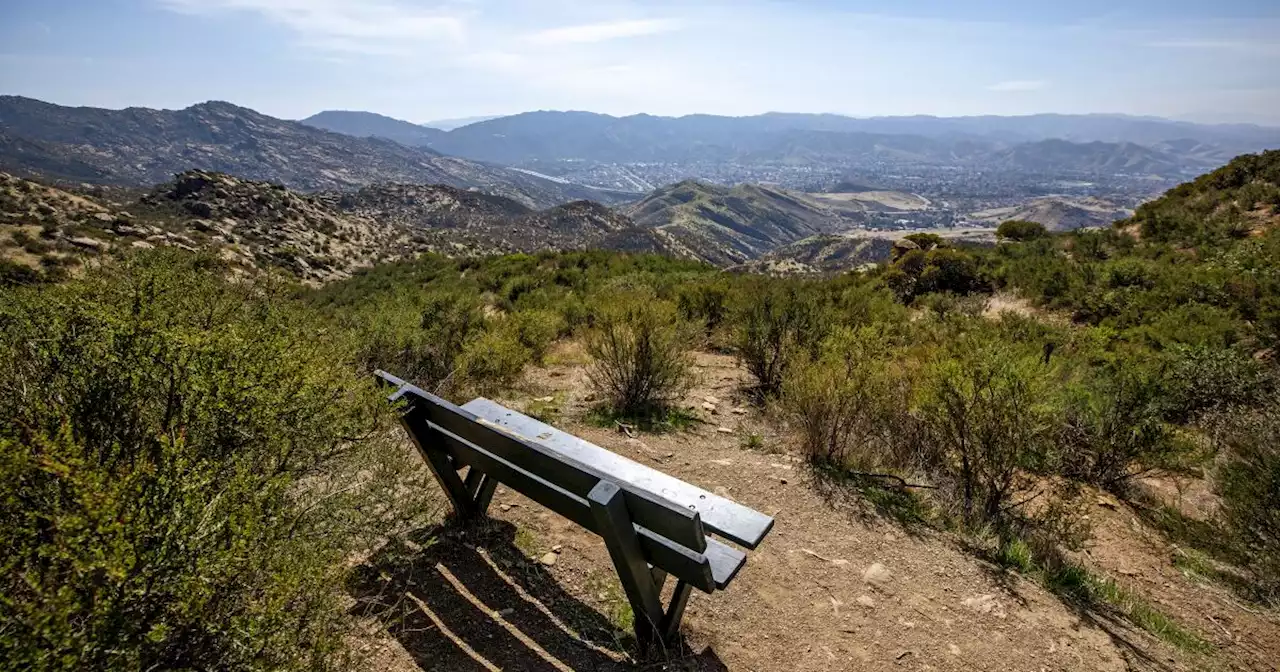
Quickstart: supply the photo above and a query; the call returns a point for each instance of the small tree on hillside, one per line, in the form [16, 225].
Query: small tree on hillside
[1021, 231]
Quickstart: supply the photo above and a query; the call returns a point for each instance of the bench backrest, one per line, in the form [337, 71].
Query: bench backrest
[671, 537]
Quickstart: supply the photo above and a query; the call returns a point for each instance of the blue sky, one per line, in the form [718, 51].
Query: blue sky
[431, 59]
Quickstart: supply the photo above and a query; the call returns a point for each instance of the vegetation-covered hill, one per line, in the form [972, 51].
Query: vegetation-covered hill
[725, 225]
[141, 147]
[45, 231]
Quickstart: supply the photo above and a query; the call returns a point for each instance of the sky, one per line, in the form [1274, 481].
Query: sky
[421, 60]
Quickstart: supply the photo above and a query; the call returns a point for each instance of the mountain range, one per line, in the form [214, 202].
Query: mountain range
[1064, 143]
[141, 147]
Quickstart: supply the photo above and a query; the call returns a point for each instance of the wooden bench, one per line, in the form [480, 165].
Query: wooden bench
[654, 525]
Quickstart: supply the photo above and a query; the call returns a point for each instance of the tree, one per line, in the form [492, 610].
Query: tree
[1021, 231]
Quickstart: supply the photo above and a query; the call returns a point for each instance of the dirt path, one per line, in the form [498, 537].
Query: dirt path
[832, 587]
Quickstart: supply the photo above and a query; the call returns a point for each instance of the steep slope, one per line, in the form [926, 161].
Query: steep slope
[725, 225]
[139, 146]
[1239, 200]
[368, 124]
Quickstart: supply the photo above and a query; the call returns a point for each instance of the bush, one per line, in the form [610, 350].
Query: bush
[1020, 231]
[639, 361]
[705, 303]
[419, 337]
[1115, 432]
[842, 401]
[1200, 379]
[1249, 485]
[776, 328]
[536, 330]
[983, 414]
[491, 361]
[184, 484]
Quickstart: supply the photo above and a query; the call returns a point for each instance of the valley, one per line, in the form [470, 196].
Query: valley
[722, 190]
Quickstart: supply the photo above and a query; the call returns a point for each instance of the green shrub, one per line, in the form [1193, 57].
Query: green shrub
[841, 401]
[985, 414]
[536, 330]
[491, 361]
[182, 487]
[777, 327]
[417, 336]
[1020, 231]
[1200, 379]
[704, 303]
[1249, 484]
[640, 365]
[1114, 431]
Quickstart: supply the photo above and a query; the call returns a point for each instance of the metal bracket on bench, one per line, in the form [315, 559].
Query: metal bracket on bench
[640, 582]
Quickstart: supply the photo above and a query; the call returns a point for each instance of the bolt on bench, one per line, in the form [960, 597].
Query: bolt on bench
[654, 525]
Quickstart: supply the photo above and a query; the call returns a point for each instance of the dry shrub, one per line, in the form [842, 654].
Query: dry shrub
[640, 364]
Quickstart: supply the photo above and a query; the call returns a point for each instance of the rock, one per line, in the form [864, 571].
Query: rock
[955, 650]
[711, 400]
[877, 575]
[103, 217]
[709, 407]
[545, 400]
[505, 507]
[143, 245]
[548, 559]
[739, 411]
[123, 216]
[504, 613]
[90, 243]
[905, 245]
[866, 601]
[783, 481]
[984, 604]
[724, 430]
[556, 548]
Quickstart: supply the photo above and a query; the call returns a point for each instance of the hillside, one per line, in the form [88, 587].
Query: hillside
[1090, 158]
[316, 237]
[821, 254]
[1057, 213]
[368, 124]
[140, 147]
[1239, 200]
[726, 225]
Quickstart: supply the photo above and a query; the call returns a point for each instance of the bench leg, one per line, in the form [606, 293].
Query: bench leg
[470, 497]
[613, 523]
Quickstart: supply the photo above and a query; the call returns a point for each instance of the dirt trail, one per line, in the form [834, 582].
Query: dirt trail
[831, 588]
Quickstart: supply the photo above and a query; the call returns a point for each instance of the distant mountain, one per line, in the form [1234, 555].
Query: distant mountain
[368, 124]
[1092, 157]
[531, 138]
[724, 225]
[450, 124]
[140, 146]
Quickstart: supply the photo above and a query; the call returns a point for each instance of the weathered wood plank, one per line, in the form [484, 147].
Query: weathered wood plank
[722, 516]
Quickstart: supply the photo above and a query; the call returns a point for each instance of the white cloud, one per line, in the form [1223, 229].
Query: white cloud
[1018, 85]
[603, 32]
[376, 27]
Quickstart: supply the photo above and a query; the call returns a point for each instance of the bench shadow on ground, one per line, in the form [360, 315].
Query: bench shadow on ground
[458, 596]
